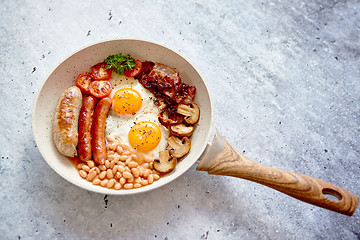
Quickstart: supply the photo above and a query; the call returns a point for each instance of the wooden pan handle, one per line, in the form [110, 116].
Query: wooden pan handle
[222, 159]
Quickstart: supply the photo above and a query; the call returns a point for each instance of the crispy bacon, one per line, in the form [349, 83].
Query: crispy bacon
[166, 85]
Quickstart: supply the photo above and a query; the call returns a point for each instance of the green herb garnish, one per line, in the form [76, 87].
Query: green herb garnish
[120, 63]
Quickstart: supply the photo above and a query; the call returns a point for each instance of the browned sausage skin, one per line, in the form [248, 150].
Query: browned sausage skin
[86, 113]
[98, 130]
[65, 123]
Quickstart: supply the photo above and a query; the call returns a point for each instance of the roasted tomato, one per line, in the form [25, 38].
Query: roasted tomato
[83, 82]
[100, 72]
[100, 89]
[135, 71]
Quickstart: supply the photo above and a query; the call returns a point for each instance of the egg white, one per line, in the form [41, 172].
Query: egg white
[120, 125]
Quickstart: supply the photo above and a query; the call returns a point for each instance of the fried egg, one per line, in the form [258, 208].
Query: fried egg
[133, 117]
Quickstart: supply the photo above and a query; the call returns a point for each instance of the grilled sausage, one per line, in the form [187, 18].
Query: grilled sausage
[86, 113]
[65, 123]
[98, 130]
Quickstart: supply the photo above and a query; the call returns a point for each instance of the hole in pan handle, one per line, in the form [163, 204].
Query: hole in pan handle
[220, 158]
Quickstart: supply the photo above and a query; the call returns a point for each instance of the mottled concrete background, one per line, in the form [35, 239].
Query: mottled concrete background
[284, 77]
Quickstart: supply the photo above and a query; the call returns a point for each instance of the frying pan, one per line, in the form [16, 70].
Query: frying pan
[216, 158]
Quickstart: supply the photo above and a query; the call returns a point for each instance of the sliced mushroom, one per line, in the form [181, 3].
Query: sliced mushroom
[181, 130]
[191, 112]
[165, 163]
[179, 147]
[167, 121]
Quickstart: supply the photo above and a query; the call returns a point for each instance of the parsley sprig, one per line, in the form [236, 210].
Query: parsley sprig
[120, 63]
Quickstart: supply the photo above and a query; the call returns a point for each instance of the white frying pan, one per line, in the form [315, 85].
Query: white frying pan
[216, 158]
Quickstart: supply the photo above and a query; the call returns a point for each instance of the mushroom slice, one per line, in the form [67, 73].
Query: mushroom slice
[179, 147]
[191, 112]
[167, 121]
[181, 130]
[165, 163]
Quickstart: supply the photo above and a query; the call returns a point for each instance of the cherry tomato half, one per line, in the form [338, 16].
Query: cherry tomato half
[100, 89]
[135, 71]
[100, 72]
[83, 82]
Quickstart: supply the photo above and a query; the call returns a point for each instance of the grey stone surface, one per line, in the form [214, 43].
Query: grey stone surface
[284, 77]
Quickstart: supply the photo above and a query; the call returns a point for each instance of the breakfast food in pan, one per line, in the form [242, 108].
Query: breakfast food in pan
[126, 122]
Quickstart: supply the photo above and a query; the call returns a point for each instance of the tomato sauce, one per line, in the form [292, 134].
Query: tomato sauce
[75, 161]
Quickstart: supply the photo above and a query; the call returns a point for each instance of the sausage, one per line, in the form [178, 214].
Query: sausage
[86, 113]
[98, 130]
[65, 122]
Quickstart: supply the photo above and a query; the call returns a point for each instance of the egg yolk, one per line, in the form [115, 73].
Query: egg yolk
[126, 101]
[144, 136]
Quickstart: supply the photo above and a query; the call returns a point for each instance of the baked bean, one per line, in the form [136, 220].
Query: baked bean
[110, 152]
[151, 179]
[111, 157]
[90, 163]
[133, 164]
[107, 163]
[121, 163]
[156, 176]
[110, 183]
[135, 172]
[121, 168]
[102, 167]
[117, 186]
[109, 174]
[79, 166]
[123, 157]
[113, 146]
[131, 179]
[144, 182]
[138, 180]
[127, 169]
[147, 172]
[119, 150]
[155, 172]
[110, 138]
[85, 168]
[96, 181]
[102, 175]
[114, 169]
[97, 170]
[127, 175]
[117, 158]
[134, 157]
[128, 160]
[122, 180]
[124, 146]
[126, 152]
[147, 159]
[128, 185]
[141, 171]
[151, 165]
[82, 173]
[137, 185]
[92, 170]
[91, 176]
[112, 164]
[104, 182]
[118, 175]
